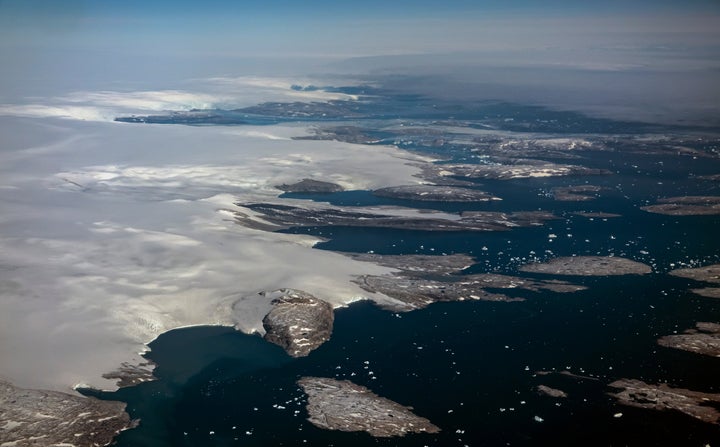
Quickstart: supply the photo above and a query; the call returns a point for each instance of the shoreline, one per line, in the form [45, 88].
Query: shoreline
[95, 242]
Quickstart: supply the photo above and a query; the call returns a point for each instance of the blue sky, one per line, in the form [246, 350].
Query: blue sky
[277, 27]
[371, 8]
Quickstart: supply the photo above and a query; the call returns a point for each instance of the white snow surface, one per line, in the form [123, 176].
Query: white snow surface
[112, 234]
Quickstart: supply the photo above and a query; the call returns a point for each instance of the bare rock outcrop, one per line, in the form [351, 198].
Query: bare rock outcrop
[588, 266]
[298, 322]
[342, 405]
[419, 264]
[517, 170]
[551, 392]
[417, 293]
[637, 393]
[686, 206]
[707, 274]
[577, 193]
[46, 418]
[437, 193]
[703, 340]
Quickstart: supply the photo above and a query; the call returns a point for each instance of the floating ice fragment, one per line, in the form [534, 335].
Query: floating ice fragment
[538, 419]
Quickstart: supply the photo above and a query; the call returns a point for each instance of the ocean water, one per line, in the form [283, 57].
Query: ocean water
[472, 368]
[468, 366]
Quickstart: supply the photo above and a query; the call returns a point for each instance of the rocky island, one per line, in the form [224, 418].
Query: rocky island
[417, 293]
[703, 340]
[577, 193]
[588, 266]
[686, 206]
[637, 393]
[709, 274]
[298, 322]
[419, 264]
[596, 214]
[345, 406]
[551, 392]
[517, 170]
[437, 193]
[423, 280]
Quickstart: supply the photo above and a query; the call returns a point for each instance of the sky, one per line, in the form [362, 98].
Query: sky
[49, 47]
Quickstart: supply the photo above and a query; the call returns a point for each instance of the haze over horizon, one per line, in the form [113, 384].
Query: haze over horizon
[613, 59]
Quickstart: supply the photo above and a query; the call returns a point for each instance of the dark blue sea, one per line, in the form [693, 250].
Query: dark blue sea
[472, 368]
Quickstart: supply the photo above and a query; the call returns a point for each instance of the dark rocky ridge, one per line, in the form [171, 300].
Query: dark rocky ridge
[311, 186]
[345, 406]
[278, 217]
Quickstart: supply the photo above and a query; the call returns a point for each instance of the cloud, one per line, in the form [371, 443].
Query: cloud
[84, 113]
[206, 93]
[144, 100]
[107, 105]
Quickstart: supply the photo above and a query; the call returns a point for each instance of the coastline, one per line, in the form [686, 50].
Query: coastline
[123, 268]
